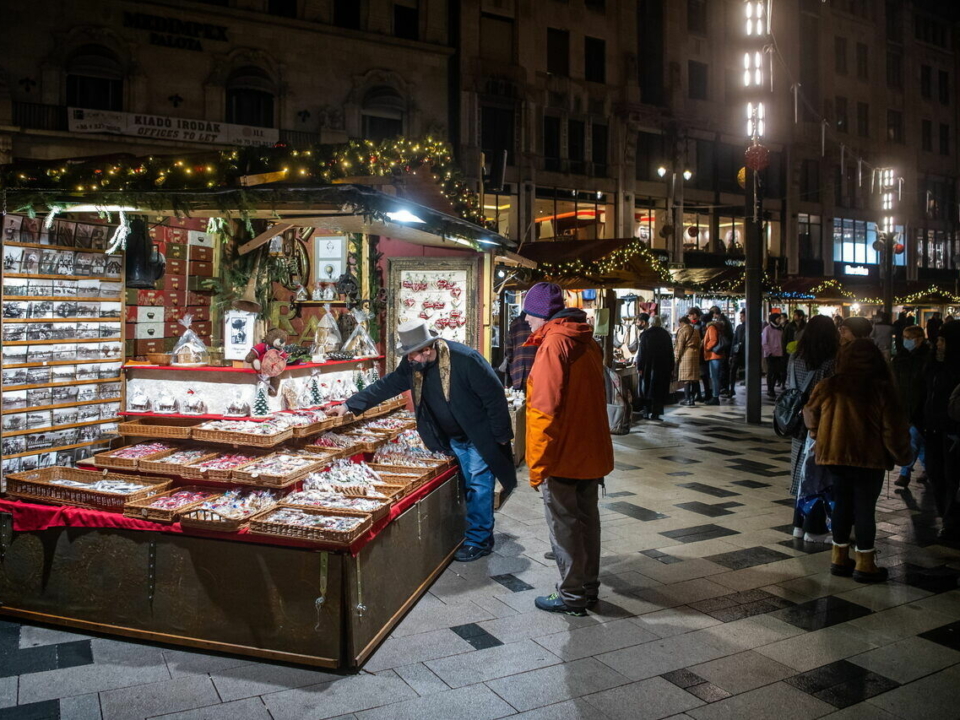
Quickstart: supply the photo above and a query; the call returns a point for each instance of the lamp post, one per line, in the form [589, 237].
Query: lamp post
[756, 79]
[890, 188]
[675, 202]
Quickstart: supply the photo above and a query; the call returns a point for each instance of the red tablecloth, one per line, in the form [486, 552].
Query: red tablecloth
[30, 517]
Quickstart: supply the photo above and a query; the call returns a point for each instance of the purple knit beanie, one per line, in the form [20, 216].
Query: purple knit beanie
[544, 300]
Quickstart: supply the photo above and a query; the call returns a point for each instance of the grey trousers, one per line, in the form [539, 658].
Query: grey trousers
[574, 523]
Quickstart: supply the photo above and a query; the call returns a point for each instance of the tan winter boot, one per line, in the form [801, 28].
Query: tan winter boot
[867, 570]
[840, 561]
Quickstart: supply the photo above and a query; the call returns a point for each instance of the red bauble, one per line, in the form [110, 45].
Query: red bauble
[898, 248]
[757, 157]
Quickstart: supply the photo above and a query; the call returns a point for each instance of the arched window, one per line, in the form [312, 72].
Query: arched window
[382, 113]
[94, 79]
[250, 94]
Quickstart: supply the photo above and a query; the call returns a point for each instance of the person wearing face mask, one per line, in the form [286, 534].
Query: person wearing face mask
[909, 365]
[461, 409]
[941, 432]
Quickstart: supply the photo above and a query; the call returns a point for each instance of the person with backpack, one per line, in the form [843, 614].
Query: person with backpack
[813, 361]
[860, 433]
[716, 346]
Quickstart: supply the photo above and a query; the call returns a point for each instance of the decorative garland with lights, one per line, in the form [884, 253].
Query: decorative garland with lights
[617, 260]
[223, 169]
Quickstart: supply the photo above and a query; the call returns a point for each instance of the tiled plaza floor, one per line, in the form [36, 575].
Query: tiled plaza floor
[709, 609]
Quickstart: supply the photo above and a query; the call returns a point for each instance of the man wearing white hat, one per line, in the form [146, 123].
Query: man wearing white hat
[461, 408]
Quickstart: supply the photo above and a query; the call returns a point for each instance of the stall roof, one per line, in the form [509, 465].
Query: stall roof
[339, 208]
[637, 271]
[813, 288]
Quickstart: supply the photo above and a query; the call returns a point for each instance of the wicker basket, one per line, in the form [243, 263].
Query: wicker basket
[262, 525]
[376, 515]
[107, 460]
[247, 476]
[216, 474]
[423, 473]
[199, 519]
[305, 431]
[137, 428]
[141, 509]
[37, 485]
[240, 438]
[158, 464]
[161, 359]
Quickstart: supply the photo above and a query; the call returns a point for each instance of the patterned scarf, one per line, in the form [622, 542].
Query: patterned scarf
[443, 360]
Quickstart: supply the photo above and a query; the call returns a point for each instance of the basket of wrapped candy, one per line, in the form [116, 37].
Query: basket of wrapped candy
[68, 486]
[228, 512]
[377, 508]
[220, 467]
[141, 428]
[277, 470]
[248, 433]
[177, 462]
[166, 506]
[128, 458]
[329, 526]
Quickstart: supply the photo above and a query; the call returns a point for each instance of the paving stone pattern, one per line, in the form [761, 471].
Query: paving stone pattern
[709, 608]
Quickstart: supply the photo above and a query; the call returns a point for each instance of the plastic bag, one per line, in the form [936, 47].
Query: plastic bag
[360, 343]
[333, 338]
[189, 349]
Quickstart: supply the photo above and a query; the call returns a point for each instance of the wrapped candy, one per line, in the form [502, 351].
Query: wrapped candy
[333, 339]
[184, 457]
[280, 464]
[225, 462]
[240, 504]
[292, 516]
[334, 500]
[190, 349]
[360, 343]
[141, 450]
[119, 487]
[179, 499]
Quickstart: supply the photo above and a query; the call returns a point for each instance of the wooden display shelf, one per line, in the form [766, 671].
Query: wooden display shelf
[59, 427]
[247, 370]
[70, 383]
[116, 338]
[58, 448]
[57, 298]
[60, 320]
[34, 408]
[33, 276]
[57, 247]
[185, 416]
[51, 363]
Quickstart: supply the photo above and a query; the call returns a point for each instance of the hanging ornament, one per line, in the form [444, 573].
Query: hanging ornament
[757, 157]
[898, 248]
[742, 178]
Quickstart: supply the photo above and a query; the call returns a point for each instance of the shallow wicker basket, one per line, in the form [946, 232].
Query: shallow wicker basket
[141, 509]
[262, 525]
[38, 485]
[247, 475]
[158, 464]
[199, 519]
[241, 438]
[107, 459]
[137, 428]
[377, 514]
[159, 358]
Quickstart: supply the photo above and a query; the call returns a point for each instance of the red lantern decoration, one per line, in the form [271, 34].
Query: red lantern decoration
[898, 248]
[757, 158]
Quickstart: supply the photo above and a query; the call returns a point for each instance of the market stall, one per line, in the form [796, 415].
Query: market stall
[218, 506]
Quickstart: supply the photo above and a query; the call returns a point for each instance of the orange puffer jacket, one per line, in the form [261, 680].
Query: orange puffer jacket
[568, 433]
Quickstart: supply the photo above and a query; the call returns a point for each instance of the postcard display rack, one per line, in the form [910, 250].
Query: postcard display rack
[61, 324]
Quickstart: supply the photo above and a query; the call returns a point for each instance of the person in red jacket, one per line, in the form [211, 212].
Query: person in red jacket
[569, 450]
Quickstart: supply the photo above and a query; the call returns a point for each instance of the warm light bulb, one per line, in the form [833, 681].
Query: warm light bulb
[661, 171]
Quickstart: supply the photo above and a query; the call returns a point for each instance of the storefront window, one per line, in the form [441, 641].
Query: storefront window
[696, 232]
[772, 230]
[573, 215]
[644, 225]
[853, 242]
[502, 210]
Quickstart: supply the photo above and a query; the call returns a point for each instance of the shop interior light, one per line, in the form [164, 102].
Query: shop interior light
[687, 174]
[661, 171]
[98, 208]
[404, 216]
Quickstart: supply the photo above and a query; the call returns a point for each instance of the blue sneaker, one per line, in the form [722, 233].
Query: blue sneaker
[553, 603]
[469, 553]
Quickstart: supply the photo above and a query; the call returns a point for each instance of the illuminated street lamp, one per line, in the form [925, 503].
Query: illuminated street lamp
[890, 190]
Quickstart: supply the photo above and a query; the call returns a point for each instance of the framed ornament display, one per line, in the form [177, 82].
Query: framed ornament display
[441, 291]
[330, 257]
[239, 333]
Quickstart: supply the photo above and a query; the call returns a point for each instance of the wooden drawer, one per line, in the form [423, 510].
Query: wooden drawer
[176, 266]
[176, 252]
[174, 283]
[201, 313]
[176, 298]
[148, 330]
[198, 238]
[201, 253]
[153, 298]
[197, 299]
[201, 269]
[142, 347]
[175, 329]
[149, 314]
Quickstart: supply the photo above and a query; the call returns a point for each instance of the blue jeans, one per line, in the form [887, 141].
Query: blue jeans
[479, 485]
[716, 375]
[919, 447]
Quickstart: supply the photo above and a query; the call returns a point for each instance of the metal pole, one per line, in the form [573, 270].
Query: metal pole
[889, 241]
[753, 242]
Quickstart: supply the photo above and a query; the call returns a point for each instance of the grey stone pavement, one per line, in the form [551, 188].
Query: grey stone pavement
[709, 609]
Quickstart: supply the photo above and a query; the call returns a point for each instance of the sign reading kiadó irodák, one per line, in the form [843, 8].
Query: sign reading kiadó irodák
[162, 127]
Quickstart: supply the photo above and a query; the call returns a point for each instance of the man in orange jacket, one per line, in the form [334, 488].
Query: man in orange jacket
[569, 450]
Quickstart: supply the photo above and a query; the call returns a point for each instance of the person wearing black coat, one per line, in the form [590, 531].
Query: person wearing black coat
[461, 409]
[654, 369]
[737, 353]
[941, 432]
[909, 368]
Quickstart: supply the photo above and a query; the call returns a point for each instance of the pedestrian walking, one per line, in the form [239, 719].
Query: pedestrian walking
[737, 353]
[933, 328]
[461, 410]
[909, 370]
[716, 346]
[687, 360]
[860, 433]
[654, 369]
[852, 328]
[518, 358]
[772, 342]
[882, 335]
[793, 331]
[569, 451]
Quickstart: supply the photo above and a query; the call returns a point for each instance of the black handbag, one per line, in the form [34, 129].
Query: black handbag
[788, 412]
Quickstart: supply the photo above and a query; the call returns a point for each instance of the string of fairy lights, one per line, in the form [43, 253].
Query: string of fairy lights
[223, 169]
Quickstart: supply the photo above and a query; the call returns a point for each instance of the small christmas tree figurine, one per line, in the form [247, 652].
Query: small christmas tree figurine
[316, 397]
[373, 375]
[260, 406]
[358, 379]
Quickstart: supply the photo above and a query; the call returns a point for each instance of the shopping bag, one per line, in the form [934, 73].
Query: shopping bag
[814, 479]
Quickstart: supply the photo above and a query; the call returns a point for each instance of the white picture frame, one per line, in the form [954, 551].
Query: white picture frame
[239, 334]
[330, 257]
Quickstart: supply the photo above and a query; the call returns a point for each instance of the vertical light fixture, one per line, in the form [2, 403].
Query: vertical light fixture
[889, 185]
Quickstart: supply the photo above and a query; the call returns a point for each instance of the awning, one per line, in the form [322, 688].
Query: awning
[581, 264]
[719, 280]
[823, 290]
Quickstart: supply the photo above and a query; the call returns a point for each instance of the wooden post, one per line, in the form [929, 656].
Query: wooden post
[609, 301]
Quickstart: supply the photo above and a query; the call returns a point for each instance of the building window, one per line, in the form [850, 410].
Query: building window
[250, 98]
[893, 12]
[810, 181]
[497, 131]
[558, 52]
[649, 155]
[895, 126]
[853, 241]
[382, 114]
[840, 55]
[596, 5]
[282, 8]
[698, 80]
[572, 214]
[926, 135]
[809, 233]
[930, 30]
[944, 139]
[943, 85]
[496, 38]
[697, 16]
[576, 146]
[926, 82]
[94, 79]
[595, 59]
[551, 143]
[843, 123]
[863, 62]
[863, 119]
[346, 14]
[894, 70]
[406, 21]
[599, 149]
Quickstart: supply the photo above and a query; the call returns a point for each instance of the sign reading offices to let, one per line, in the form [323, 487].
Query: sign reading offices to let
[160, 127]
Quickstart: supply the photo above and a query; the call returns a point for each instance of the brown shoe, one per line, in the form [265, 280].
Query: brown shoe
[866, 570]
[840, 561]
